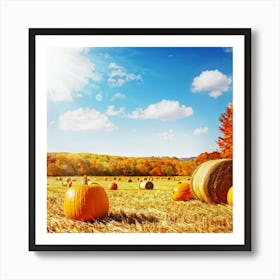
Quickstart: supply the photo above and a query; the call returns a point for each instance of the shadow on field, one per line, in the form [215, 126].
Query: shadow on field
[131, 218]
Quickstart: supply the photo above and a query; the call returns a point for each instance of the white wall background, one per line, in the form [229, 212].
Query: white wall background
[16, 262]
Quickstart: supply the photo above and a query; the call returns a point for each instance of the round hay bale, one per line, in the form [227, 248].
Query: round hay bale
[113, 186]
[129, 180]
[68, 179]
[211, 180]
[146, 185]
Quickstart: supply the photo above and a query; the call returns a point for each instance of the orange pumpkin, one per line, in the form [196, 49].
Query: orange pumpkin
[113, 186]
[85, 203]
[182, 191]
[229, 196]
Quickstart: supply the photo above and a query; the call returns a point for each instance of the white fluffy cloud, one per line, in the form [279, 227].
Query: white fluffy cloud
[118, 96]
[166, 135]
[212, 81]
[68, 72]
[200, 130]
[112, 112]
[114, 65]
[119, 76]
[165, 110]
[85, 119]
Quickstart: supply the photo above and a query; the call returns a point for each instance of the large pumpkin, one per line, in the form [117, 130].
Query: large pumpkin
[85, 203]
[182, 191]
[229, 196]
[211, 180]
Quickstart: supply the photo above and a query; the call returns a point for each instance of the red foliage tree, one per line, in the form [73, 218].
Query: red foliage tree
[225, 141]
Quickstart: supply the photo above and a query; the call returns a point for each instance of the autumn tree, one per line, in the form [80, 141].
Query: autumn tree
[225, 141]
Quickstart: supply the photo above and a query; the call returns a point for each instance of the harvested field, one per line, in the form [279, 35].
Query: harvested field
[133, 210]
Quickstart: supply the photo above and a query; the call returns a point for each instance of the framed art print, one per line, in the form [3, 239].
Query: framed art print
[140, 139]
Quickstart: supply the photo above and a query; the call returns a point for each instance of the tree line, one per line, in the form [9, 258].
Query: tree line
[79, 164]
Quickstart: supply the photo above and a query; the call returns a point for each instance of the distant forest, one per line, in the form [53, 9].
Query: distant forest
[78, 164]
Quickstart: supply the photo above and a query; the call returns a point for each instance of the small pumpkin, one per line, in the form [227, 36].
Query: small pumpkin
[182, 191]
[113, 186]
[85, 202]
[229, 196]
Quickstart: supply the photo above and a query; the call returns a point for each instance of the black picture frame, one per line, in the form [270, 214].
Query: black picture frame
[245, 33]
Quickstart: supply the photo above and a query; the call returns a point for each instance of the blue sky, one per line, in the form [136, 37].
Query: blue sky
[137, 101]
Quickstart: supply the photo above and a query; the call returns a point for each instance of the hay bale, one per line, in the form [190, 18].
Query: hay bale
[129, 180]
[68, 179]
[211, 180]
[146, 185]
